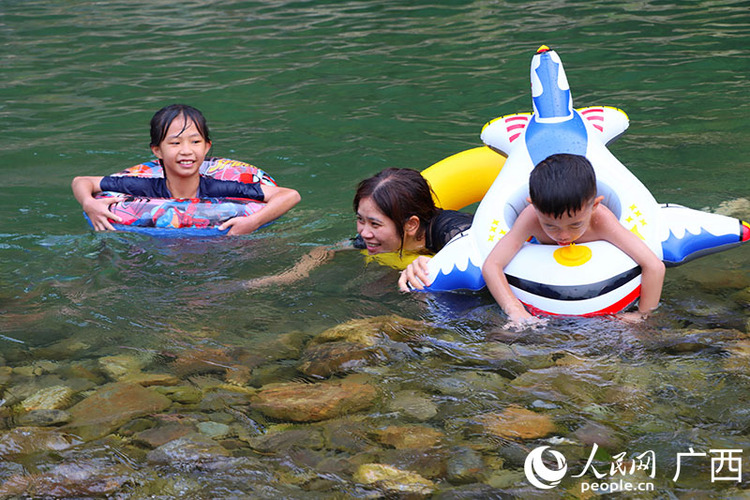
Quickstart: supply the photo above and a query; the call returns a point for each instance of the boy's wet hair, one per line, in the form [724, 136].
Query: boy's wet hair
[163, 118]
[562, 183]
[399, 193]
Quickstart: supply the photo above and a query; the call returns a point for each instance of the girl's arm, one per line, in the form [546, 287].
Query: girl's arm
[652, 268]
[84, 189]
[279, 200]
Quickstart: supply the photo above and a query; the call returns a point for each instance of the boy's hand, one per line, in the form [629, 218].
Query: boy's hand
[633, 317]
[99, 214]
[527, 322]
[416, 274]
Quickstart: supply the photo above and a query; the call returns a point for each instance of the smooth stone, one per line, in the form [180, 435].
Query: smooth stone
[517, 423]
[214, 430]
[71, 480]
[281, 439]
[193, 449]
[465, 466]
[408, 436]
[120, 366]
[162, 434]
[413, 404]
[300, 402]
[393, 480]
[56, 397]
[369, 331]
[184, 394]
[44, 418]
[111, 406]
[25, 440]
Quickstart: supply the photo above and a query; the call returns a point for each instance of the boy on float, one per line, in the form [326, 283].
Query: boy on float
[564, 209]
[180, 140]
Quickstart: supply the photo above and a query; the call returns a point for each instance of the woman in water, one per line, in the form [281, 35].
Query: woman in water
[396, 213]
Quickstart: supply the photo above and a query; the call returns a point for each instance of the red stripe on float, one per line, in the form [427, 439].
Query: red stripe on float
[514, 137]
[609, 310]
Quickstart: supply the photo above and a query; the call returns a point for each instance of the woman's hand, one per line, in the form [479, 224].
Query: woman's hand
[97, 210]
[416, 275]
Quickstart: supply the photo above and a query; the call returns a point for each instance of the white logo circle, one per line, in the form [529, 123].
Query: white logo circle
[538, 474]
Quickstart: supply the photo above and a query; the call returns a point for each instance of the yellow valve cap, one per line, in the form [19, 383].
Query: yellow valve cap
[572, 255]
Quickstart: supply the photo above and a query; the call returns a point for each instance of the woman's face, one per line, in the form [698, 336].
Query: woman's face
[377, 230]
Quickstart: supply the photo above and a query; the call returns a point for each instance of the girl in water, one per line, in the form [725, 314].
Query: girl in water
[180, 140]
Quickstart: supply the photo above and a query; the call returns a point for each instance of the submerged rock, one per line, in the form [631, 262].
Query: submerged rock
[465, 466]
[393, 480]
[190, 451]
[413, 404]
[44, 418]
[111, 406]
[369, 331]
[359, 343]
[70, 480]
[300, 402]
[52, 398]
[25, 440]
[408, 436]
[517, 423]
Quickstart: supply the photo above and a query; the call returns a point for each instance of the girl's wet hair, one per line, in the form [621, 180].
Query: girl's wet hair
[562, 183]
[399, 193]
[163, 118]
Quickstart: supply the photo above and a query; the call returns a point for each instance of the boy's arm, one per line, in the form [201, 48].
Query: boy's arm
[499, 257]
[652, 268]
[84, 189]
[279, 200]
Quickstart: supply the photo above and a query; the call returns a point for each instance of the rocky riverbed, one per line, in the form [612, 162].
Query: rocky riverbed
[376, 407]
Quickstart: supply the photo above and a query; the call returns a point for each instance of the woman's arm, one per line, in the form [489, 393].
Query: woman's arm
[279, 200]
[301, 270]
[416, 275]
[84, 189]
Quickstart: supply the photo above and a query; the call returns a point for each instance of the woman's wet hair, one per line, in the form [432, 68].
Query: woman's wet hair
[562, 183]
[163, 118]
[399, 193]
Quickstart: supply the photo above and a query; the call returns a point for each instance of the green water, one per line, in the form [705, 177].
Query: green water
[321, 95]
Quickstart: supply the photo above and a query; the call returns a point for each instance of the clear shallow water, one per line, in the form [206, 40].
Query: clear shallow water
[323, 94]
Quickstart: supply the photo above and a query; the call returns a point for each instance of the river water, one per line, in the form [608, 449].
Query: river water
[322, 94]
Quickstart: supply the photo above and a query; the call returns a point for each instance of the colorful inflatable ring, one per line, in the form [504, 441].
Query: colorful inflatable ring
[588, 279]
[186, 217]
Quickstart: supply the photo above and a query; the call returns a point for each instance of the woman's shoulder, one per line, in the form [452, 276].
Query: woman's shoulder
[444, 226]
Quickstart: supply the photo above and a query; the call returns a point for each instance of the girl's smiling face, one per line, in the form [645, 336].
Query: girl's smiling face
[377, 230]
[183, 149]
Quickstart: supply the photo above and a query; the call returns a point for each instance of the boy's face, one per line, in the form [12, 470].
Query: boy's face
[570, 226]
[183, 149]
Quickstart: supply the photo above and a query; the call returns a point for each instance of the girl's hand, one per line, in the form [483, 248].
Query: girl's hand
[245, 224]
[415, 275]
[97, 209]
